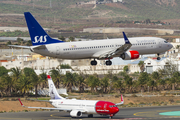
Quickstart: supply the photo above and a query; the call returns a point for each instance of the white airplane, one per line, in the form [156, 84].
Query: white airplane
[106, 49]
[78, 107]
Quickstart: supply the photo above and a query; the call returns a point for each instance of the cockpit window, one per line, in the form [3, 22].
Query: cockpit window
[165, 41]
[113, 106]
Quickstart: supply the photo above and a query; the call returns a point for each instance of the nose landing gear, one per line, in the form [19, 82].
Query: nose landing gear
[158, 58]
[111, 116]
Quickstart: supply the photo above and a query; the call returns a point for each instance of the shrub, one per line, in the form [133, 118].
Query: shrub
[133, 95]
[131, 103]
[25, 110]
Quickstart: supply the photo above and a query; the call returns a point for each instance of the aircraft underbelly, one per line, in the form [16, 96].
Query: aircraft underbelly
[76, 55]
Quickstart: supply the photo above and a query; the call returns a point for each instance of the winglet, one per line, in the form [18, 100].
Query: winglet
[126, 39]
[122, 101]
[20, 102]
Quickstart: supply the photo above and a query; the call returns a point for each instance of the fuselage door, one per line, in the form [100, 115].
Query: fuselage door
[57, 50]
[105, 106]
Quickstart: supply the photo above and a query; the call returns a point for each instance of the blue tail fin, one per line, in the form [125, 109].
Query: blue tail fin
[37, 33]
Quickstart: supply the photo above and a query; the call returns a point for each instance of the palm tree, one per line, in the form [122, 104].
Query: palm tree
[93, 82]
[152, 84]
[118, 85]
[175, 79]
[55, 74]
[24, 84]
[35, 81]
[15, 74]
[7, 83]
[43, 79]
[104, 83]
[143, 79]
[3, 71]
[155, 77]
[70, 81]
[80, 80]
[128, 82]
[30, 74]
[161, 82]
[141, 65]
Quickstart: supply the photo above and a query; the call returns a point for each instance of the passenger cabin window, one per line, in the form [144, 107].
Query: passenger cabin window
[165, 41]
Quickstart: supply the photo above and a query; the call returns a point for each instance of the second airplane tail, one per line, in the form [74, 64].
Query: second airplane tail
[52, 90]
[37, 33]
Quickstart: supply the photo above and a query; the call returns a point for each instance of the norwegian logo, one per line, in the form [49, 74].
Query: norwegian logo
[41, 39]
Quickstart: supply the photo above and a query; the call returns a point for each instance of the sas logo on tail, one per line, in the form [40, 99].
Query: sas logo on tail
[41, 39]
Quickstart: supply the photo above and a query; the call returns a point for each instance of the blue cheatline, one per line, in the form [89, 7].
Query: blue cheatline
[173, 113]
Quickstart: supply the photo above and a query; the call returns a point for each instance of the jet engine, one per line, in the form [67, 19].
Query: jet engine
[129, 55]
[76, 113]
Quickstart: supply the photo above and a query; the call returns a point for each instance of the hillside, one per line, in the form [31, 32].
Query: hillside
[71, 14]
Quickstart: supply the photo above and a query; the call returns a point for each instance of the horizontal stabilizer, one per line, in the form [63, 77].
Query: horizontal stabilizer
[27, 47]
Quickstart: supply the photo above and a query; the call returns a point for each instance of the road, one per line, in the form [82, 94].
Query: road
[124, 113]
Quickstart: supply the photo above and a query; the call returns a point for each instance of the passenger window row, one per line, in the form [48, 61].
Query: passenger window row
[107, 46]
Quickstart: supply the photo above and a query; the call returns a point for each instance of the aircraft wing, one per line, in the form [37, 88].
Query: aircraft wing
[118, 51]
[47, 108]
[50, 108]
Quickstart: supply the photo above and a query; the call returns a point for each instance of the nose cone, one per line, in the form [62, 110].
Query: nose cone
[116, 109]
[170, 45]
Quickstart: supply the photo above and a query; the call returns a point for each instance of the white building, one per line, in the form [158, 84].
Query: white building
[152, 65]
[117, 0]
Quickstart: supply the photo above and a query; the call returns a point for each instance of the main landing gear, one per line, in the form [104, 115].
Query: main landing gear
[108, 62]
[158, 58]
[94, 62]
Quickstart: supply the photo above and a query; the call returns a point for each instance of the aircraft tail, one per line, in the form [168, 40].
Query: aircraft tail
[37, 33]
[52, 90]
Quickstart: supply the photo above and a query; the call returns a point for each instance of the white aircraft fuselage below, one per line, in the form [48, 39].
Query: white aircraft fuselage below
[78, 107]
[93, 49]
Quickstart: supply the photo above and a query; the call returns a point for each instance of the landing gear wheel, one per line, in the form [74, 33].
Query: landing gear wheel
[90, 115]
[108, 62]
[93, 62]
[110, 116]
[158, 58]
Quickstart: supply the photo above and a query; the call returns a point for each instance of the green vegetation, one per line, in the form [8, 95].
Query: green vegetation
[65, 66]
[20, 82]
[16, 33]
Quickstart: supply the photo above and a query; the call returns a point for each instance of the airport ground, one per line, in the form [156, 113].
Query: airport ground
[149, 113]
[147, 107]
[12, 104]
